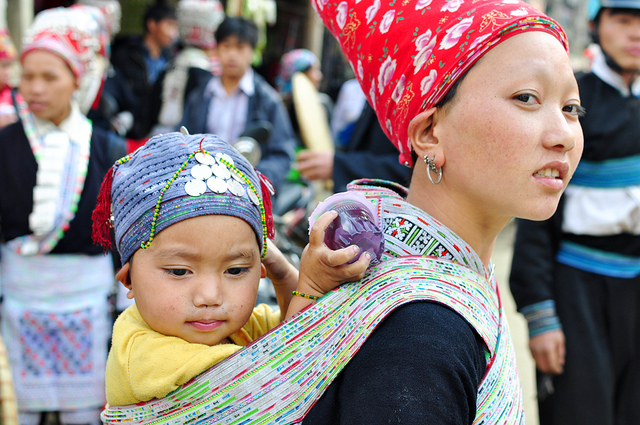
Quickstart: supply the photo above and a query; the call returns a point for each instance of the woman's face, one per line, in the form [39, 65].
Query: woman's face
[510, 137]
[47, 85]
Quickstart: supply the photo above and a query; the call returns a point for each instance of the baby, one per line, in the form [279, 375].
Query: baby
[191, 219]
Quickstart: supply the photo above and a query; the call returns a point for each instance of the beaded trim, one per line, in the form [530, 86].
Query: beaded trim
[221, 159]
[300, 294]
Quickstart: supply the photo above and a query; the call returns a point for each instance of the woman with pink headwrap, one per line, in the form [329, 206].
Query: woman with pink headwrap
[481, 97]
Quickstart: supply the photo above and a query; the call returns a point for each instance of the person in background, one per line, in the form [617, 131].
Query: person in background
[298, 60]
[8, 56]
[55, 282]
[107, 13]
[305, 61]
[239, 99]
[576, 276]
[137, 63]
[192, 66]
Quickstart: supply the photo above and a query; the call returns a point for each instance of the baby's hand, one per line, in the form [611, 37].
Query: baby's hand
[279, 269]
[323, 269]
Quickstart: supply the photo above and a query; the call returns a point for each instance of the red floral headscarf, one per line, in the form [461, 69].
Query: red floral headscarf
[407, 54]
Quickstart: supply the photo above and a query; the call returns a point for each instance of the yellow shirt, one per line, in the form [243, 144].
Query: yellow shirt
[144, 364]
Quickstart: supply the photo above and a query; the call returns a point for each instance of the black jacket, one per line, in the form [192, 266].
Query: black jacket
[129, 85]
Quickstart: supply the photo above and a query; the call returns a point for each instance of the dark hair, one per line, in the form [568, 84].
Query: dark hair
[157, 12]
[244, 29]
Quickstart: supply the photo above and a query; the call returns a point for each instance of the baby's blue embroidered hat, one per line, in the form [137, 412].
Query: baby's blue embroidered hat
[174, 177]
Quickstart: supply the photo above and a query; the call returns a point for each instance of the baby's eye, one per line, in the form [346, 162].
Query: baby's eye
[177, 272]
[236, 271]
[526, 98]
[575, 110]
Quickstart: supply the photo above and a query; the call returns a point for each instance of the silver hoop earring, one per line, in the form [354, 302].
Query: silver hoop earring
[431, 167]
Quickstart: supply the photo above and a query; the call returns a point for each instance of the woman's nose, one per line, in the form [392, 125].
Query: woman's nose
[561, 133]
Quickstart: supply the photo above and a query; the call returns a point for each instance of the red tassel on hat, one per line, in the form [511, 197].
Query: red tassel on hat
[267, 190]
[102, 214]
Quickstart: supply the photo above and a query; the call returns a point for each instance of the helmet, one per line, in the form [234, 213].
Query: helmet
[596, 5]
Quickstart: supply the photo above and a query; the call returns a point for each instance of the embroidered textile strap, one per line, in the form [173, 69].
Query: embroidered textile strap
[277, 378]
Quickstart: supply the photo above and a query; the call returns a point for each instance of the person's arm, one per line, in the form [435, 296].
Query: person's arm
[192, 108]
[531, 282]
[423, 364]
[283, 275]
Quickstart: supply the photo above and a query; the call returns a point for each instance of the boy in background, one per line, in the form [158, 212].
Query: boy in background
[239, 99]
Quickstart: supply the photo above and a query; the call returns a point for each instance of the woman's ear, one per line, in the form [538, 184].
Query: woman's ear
[421, 132]
[123, 277]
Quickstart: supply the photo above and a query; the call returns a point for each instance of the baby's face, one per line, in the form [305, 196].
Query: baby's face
[199, 278]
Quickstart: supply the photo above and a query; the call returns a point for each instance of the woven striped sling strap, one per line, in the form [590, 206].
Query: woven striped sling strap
[277, 378]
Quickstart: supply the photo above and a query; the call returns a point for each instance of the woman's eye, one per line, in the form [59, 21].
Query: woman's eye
[526, 98]
[575, 110]
[177, 272]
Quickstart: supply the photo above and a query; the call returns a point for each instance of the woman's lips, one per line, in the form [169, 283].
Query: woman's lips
[552, 175]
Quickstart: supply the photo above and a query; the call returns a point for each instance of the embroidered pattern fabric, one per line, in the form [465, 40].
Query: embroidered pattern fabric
[407, 55]
[55, 323]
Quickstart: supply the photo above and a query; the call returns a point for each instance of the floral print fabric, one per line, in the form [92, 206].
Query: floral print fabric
[406, 54]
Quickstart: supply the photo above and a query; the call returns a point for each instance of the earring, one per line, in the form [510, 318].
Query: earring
[431, 167]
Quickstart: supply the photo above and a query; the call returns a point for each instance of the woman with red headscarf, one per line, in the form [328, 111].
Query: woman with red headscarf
[480, 95]
[55, 282]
